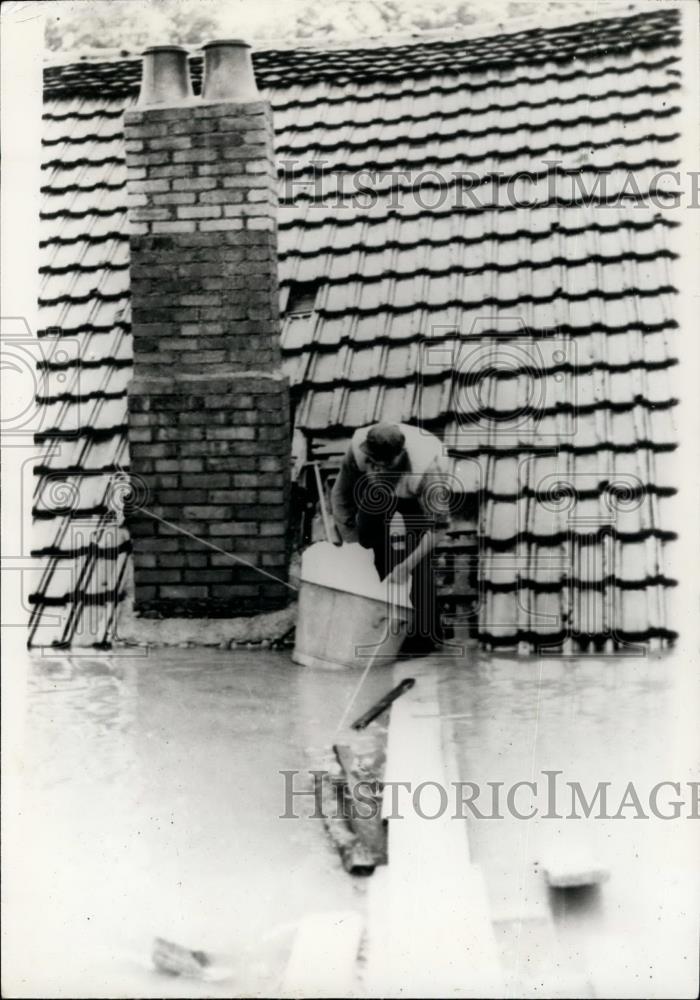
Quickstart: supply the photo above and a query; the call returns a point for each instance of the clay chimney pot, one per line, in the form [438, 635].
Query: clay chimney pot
[228, 72]
[166, 78]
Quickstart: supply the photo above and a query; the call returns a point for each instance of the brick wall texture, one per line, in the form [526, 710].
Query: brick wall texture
[209, 424]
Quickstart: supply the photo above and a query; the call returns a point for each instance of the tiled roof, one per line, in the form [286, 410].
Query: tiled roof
[515, 306]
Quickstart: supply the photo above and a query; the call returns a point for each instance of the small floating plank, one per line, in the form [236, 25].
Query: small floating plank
[178, 961]
[571, 868]
[324, 955]
[384, 702]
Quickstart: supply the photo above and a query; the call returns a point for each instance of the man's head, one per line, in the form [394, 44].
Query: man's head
[384, 445]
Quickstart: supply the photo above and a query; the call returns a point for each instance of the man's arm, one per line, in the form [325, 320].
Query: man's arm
[343, 498]
[434, 501]
[402, 570]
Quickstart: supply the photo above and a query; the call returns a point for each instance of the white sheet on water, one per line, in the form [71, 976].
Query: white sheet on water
[350, 568]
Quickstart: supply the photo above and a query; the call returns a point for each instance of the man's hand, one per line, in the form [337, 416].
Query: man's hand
[343, 535]
[400, 574]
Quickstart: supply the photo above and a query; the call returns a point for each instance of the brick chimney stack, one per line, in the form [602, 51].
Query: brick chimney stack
[209, 428]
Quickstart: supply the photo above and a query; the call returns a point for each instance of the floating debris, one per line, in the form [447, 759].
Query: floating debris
[178, 961]
[568, 870]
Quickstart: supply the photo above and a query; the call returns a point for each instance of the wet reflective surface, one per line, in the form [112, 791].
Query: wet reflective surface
[151, 795]
[151, 798]
[611, 720]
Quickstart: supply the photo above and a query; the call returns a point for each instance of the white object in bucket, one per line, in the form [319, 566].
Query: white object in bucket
[350, 568]
[346, 613]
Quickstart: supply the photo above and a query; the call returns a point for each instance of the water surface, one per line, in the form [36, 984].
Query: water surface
[151, 798]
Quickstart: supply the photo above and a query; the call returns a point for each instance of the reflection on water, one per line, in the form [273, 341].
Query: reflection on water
[151, 806]
[593, 720]
[151, 797]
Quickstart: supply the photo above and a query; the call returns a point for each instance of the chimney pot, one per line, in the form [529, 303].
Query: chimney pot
[228, 72]
[166, 78]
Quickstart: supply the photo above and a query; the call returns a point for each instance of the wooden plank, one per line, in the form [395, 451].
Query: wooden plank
[383, 703]
[356, 859]
[363, 804]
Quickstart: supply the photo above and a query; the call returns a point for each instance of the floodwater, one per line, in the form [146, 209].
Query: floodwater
[594, 720]
[150, 795]
[150, 804]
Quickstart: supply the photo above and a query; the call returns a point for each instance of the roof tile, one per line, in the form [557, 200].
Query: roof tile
[591, 95]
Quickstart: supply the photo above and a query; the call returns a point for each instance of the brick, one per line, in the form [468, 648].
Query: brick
[248, 181]
[181, 226]
[207, 512]
[197, 560]
[213, 479]
[134, 174]
[150, 214]
[159, 575]
[246, 152]
[259, 166]
[164, 482]
[173, 170]
[239, 208]
[148, 560]
[210, 575]
[195, 156]
[218, 139]
[140, 434]
[200, 300]
[260, 223]
[224, 109]
[247, 545]
[231, 433]
[147, 130]
[271, 496]
[276, 559]
[174, 198]
[219, 225]
[199, 211]
[194, 184]
[217, 197]
[232, 529]
[192, 465]
[233, 496]
[246, 480]
[273, 529]
[182, 496]
[170, 142]
[172, 560]
[235, 590]
[148, 159]
[183, 592]
[149, 186]
[243, 123]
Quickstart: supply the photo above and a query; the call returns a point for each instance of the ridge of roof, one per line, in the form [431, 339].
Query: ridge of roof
[530, 43]
[467, 32]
